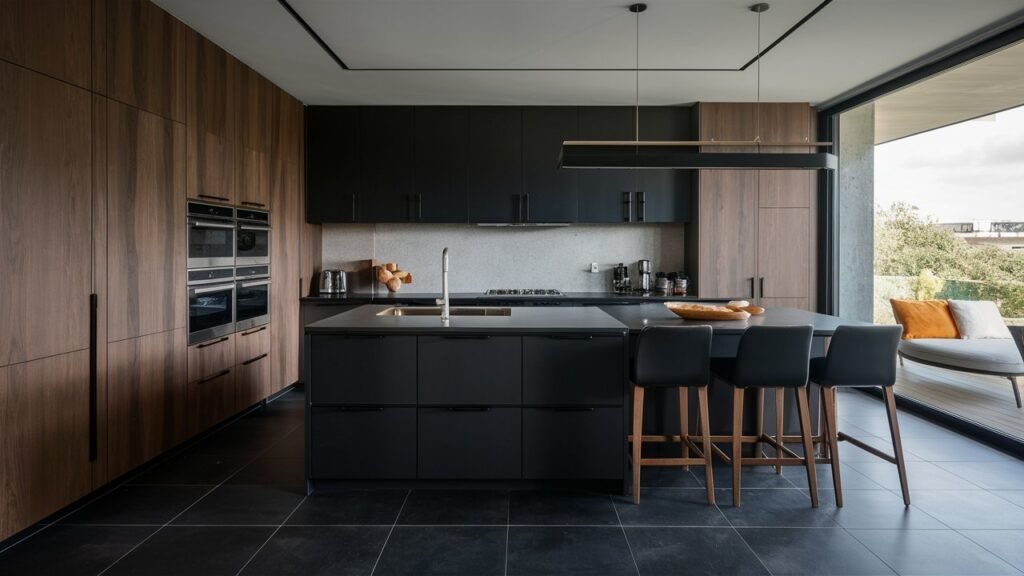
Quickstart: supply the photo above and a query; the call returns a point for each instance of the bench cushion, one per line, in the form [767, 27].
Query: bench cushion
[999, 356]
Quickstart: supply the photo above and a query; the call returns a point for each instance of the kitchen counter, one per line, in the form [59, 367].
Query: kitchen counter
[522, 320]
[636, 318]
[480, 299]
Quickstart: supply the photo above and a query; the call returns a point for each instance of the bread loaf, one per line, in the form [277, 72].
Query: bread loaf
[383, 275]
[391, 267]
[394, 284]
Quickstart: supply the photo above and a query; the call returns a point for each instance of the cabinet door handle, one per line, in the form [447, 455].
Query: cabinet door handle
[467, 409]
[257, 204]
[641, 206]
[363, 337]
[762, 286]
[752, 293]
[93, 382]
[627, 206]
[251, 360]
[359, 408]
[570, 337]
[569, 409]
[519, 207]
[215, 376]
[208, 344]
[353, 206]
[526, 201]
[251, 332]
[211, 197]
[466, 337]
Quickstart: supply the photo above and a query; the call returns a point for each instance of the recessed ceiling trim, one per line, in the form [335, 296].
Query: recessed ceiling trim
[334, 56]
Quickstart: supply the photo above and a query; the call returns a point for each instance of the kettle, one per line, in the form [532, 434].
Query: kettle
[333, 282]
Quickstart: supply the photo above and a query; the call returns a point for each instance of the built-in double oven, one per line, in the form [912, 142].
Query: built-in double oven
[228, 270]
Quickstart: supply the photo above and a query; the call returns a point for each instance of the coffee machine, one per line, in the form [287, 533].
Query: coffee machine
[620, 279]
[643, 275]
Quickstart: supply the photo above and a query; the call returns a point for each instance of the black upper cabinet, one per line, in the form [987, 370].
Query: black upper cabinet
[606, 195]
[549, 192]
[387, 156]
[664, 195]
[441, 143]
[332, 163]
[495, 164]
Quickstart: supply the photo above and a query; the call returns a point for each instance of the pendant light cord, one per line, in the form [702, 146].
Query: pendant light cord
[636, 119]
[757, 106]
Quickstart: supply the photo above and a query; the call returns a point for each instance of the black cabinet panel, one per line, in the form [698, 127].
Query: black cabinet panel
[664, 195]
[363, 370]
[467, 370]
[441, 144]
[573, 444]
[602, 192]
[333, 163]
[363, 443]
[387, 158]
[470, 444]
[550, 192]
[568, 371]
[494, 171]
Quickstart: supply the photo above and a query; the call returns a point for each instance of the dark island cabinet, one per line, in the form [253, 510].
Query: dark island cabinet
[572, 443]
[495, 165]
[363, 370]
[363, 442]
[458, 443]
[573, 370]
[485, 164]
[470, 370]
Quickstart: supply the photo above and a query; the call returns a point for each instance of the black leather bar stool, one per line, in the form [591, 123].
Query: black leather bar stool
[673, 357]
[769, 357]
[860, 357]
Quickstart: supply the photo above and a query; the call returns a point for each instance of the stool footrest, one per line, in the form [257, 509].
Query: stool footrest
[866, 447]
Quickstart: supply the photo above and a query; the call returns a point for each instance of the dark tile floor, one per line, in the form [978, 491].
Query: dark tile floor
[234, 504]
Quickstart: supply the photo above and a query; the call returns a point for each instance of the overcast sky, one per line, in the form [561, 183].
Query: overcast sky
[968, 172]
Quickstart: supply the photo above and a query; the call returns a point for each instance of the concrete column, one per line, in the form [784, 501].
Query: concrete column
[856, 204]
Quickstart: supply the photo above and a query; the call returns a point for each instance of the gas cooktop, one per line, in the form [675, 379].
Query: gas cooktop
[522, 292]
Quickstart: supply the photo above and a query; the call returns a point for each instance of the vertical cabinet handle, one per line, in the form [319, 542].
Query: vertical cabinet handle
[353, 206]
[93, 401]
[752, 293]
[762, 286]
[419, 206]
[519, 208]
[641, 206]
[627, 206]
[526, 201]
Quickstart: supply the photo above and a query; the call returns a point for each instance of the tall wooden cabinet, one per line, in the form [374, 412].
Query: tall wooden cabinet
[755, 236]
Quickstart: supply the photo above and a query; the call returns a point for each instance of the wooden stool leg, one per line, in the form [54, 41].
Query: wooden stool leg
[638, 434]
[830, 430]
[637, 440]
[897, 444]
[737, 443]
[805, 434]
[759, 446]
[1016, 390]
[705, 432]
[684, 422]
[780, 429]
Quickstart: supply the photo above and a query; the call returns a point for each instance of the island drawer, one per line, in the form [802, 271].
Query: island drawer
[573, 370]
[363, 369]
[573, 443]
[478, 370]
[361, 442]
[475, 443]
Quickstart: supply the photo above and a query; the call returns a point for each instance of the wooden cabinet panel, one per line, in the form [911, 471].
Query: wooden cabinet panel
[53, 37]
[784, 252]
[784, 122]
[255, 113]
[727, 251]
[211, 400]
[146, 238]
[211, 357]
[253, 381]
[45, 215]
[251, 343]
[146, 50]
[147, 398]
[727, 121]
[786, 188]
[284, 253]
[44, 438]
[212, 123]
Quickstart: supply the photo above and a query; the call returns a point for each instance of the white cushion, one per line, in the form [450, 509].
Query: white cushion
[978, 320]
[1000, 356]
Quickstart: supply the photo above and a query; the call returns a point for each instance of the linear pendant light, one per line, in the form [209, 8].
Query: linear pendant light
[692, 154]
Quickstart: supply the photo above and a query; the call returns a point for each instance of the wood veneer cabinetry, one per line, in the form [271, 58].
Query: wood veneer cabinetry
[53, 37]
[45, 216]
[212, 122]
[145, 235]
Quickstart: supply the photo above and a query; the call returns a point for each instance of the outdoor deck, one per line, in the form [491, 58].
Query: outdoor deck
[984, 400]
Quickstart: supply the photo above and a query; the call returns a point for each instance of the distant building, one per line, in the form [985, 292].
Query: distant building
[1006, 235]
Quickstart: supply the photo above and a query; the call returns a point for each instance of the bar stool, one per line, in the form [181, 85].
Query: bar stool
[673, 357]
[769, 357]
[860, 357]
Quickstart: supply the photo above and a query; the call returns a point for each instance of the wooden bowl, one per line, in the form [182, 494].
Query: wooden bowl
[688, 311]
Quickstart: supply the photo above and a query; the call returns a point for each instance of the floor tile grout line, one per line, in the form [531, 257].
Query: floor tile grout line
[388, 537]
[880, 559]
[744, 540]
[624, 535]
[992, 552]
[272, 534]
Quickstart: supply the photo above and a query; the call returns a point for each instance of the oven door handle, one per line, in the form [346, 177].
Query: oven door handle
[254, 283]
[205, 224]
[254, 227]
[208, 289]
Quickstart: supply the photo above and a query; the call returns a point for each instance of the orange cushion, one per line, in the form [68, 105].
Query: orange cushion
[925, 319]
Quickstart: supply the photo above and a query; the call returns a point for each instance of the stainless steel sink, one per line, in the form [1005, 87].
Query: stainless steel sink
[436, 311]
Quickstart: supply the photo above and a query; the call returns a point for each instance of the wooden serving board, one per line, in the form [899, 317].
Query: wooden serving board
[705, 314]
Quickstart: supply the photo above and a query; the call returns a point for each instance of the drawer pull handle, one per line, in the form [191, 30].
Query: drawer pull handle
[250, 332]
[466, 337]
[467, 409]
[224, 339]
[251, 360]
[364, 337]
[359, 409]
[212, 197]
[570, 409]
[214, 377]
[249, 203]
[571, 337]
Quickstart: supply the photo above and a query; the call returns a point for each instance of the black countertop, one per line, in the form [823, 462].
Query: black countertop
[524, 320]
[638, 317]
[477, 298]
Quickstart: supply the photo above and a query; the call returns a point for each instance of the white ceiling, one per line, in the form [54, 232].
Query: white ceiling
[847, 44]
